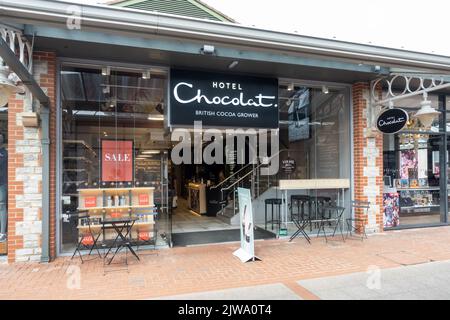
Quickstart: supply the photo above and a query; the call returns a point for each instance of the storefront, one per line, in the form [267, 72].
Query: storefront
[123, 104]
[117, 144]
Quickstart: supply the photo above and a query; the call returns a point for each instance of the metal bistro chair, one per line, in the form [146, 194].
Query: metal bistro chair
[87, 238]
[335, 214]
[357, 225]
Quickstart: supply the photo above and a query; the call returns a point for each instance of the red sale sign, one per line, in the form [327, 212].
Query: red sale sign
[117, 160]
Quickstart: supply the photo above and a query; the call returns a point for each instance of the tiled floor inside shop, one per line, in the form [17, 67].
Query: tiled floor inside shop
[184, 220]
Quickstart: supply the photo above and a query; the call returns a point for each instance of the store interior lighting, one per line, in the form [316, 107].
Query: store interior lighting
[146, 75]
[156, 117]
[106, 71]
[290, 86]
[325, 90]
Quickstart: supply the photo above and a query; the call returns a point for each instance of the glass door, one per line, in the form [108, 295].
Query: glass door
[164, 204]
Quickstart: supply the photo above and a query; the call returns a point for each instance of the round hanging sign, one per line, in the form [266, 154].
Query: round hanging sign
[392, 120]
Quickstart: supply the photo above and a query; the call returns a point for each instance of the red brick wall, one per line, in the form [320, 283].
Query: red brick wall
[16, 106]
[366, 188]
[15, 187]
[48, 84]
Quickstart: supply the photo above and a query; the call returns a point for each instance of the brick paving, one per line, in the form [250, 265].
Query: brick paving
[213, 267]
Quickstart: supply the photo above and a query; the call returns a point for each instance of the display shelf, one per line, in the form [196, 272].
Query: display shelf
[75, 170]
[99, 226]
[419, 189]
[118, 208]
[421, 207]
[115, 190]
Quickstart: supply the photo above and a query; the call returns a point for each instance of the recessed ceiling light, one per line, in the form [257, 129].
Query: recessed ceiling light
[156, 117]
[106, 71]
[146, 74]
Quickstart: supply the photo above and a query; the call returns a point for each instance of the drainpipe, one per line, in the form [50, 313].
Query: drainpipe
[45, 140]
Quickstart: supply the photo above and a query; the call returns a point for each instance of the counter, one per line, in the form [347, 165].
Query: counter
[197, 197]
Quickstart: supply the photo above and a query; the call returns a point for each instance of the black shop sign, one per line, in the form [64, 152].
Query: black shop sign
[222, 100]
[392, 120]
[288, 166]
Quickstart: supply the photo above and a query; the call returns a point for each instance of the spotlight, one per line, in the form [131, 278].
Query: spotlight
[290, 86]
[325, 90]
[208, 49]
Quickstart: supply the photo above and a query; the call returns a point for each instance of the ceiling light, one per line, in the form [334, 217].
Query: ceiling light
[150, 152]
[156, 117]
[146, 74]
[106, 71]
[325, 90]
[290, 86]
[426, 113]
[233, 64]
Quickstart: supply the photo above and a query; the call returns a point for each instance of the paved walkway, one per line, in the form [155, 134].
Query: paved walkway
[429, 281]
[213, 268]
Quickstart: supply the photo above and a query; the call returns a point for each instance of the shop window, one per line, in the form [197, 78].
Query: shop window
[113, 140]
[412, 161]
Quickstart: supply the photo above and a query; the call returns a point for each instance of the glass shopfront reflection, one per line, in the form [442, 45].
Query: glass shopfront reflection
[112, 162]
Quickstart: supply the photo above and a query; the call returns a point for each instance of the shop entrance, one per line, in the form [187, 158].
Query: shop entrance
[199, 200]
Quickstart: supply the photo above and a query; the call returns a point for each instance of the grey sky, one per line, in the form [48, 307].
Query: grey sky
[404, 24]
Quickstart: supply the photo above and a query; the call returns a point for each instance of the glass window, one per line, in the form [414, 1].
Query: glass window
[314, 144]
[112, 149]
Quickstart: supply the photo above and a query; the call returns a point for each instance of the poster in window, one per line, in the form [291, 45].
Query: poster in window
[117, 160]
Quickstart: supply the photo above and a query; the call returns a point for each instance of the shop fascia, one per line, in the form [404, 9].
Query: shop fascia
[213, 153]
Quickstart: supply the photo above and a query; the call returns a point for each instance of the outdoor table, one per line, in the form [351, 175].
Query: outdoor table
[122, 227]
[310, 184]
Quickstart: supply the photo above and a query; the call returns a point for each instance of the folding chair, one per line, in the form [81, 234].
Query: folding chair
[336, 218]
[87, 237]
[357, 225]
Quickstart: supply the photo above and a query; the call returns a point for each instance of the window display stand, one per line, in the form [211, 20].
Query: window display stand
[115, 203]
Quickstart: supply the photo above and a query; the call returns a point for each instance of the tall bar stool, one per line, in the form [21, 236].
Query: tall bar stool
[299, 201]
[273, 202]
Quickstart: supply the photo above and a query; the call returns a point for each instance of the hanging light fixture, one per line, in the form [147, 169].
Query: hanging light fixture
[7, 87]
[426, 113]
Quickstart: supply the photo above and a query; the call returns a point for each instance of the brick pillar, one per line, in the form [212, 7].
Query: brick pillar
[25, 168]
[368, 160]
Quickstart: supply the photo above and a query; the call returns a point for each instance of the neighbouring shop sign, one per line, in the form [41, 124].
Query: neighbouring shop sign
[392, 120]
[117, 160]
[222, 100]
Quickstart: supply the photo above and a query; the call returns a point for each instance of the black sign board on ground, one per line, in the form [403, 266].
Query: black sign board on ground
[392, 120]
[222, 100]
